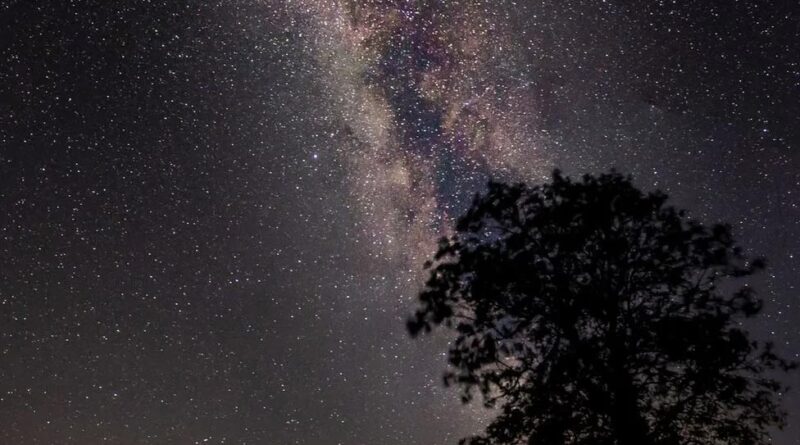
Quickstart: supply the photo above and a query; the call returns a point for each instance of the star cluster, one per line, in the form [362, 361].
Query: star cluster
[215, 213]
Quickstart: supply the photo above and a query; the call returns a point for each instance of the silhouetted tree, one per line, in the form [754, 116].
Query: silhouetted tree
[591, 313]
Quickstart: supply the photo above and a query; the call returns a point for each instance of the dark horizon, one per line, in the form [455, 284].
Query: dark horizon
[215, 215]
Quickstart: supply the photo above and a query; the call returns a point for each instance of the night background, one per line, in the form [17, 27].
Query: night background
[215, 214]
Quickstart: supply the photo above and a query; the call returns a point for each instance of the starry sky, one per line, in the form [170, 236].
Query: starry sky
[215, 213]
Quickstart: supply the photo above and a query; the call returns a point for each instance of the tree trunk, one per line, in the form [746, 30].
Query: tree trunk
[629, 424]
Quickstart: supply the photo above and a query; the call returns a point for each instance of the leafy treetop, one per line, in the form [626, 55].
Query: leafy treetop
[592, 313]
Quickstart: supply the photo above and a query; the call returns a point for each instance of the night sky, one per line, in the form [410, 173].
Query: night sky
[215, 214]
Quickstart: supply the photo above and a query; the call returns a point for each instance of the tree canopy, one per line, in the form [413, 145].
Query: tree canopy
[589, 312]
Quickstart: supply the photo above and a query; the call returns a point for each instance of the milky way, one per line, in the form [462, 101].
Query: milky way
[427, 111]
[215, 214]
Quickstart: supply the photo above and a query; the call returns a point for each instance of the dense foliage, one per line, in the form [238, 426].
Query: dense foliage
[589, 312]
